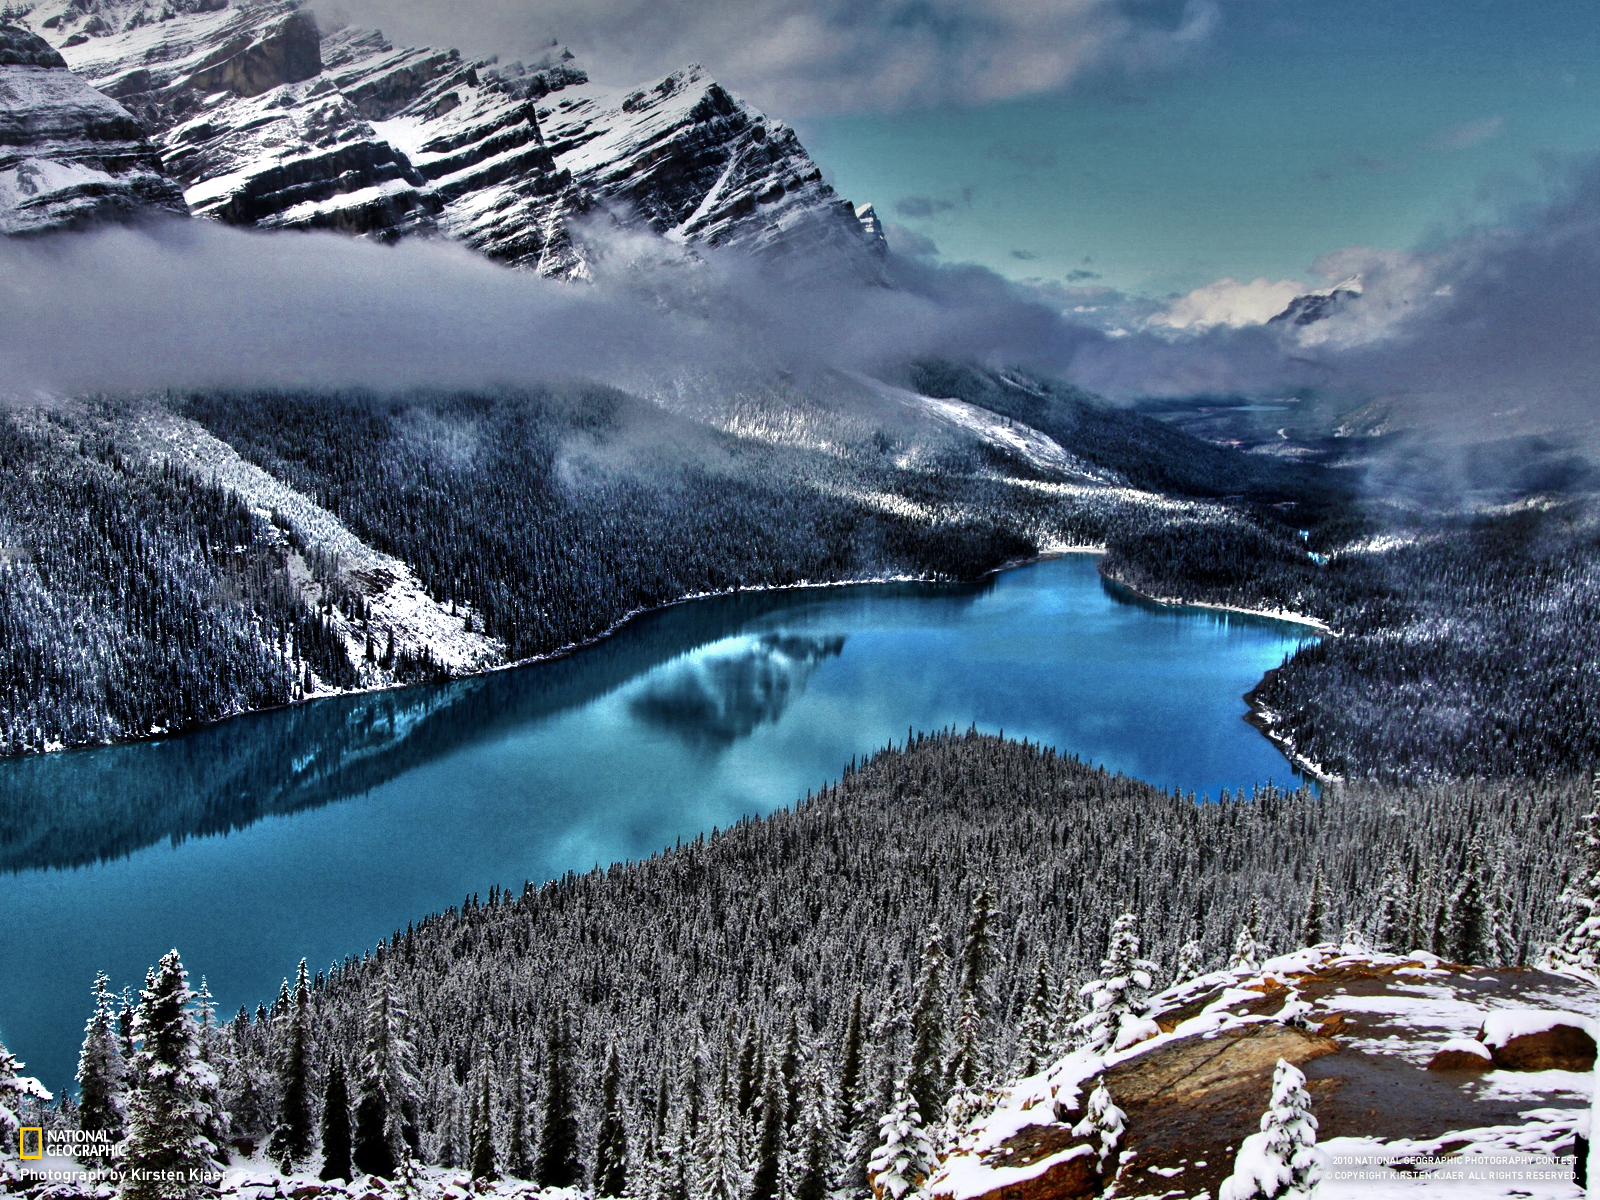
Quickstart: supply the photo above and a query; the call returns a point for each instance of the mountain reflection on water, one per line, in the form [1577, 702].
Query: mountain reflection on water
[87, 806]
[716, 700]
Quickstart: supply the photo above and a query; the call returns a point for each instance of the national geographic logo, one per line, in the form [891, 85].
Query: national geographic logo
[31, 1143]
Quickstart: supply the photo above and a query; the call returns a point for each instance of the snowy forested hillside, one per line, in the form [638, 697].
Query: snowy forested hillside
[752, 1005]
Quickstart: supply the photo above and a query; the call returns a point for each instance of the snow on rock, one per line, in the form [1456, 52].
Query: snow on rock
[269, 120]
[69, 156]
[1500, 1027]
[398, 601]
[1360, 1026]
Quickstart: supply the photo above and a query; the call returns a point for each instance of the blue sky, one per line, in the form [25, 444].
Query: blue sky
[1294, 128]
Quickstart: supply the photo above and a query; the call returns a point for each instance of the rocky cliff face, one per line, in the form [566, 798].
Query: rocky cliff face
[69, 156]
[266, 121]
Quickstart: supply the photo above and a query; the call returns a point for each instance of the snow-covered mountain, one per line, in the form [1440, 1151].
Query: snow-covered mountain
[266, 120]
[69, 156]
[1310, 307]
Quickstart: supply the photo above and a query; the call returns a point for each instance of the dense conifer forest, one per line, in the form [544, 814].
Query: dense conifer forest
[139, 593]
[745, 1006]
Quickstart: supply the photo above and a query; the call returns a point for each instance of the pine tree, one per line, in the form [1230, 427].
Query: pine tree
[102, 1073]
[1103, 1123]
[966, 1067]
[1577, 945]
[482, 1163]
[789, 1069]
[752, 1067]
[1117, 999]
[925, 1077]
[904, 1158]
[1246, 950]
[611, 1140]
[336, 1142]
[765, 1178]
[814, 1148]
[291, 1140]
[877, 1096]
[558, 1164]
[850, 1063]
[1191, 962]
[1389, 925]
[15, 1089]
[384, 1126]
[976, 946]
[519, 1152]
[718, 1150]
[1034, 1040]
[169, 1109]
[1282, 1161]
[1467, 924]
[1316, 915]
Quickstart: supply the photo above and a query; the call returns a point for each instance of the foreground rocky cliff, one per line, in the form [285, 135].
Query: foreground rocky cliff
[1422, 1074]
[69, 156]
[266, 120]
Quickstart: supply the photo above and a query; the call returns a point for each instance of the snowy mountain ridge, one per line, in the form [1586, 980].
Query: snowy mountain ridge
[266, 120]
[69, 156]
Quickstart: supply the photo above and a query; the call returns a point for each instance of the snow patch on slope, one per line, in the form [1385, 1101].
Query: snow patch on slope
[397, 598]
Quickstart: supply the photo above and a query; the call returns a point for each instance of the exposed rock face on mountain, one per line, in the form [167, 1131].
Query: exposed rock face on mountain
[1319, 305]
[69, 156]
[266, 121]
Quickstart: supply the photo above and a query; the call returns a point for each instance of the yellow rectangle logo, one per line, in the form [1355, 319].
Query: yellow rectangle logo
[32, 1136]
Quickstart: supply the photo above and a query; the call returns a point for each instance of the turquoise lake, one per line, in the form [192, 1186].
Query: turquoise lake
[318, 830]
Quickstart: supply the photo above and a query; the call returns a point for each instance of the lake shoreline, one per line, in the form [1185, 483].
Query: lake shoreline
[564, 651]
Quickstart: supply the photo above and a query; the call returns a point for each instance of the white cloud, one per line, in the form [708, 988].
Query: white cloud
[799, 56]
[1229, 302]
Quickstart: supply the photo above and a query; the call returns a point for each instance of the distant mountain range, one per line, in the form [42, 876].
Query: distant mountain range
[257, 116]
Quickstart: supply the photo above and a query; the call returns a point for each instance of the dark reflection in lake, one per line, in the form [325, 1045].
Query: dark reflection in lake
[720, 698]
[316, 830]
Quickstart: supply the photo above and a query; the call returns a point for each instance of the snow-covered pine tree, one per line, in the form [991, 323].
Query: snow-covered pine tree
[789, 1070]
[1035, 1040]
[336, 1124]
[387, 1095]
[1467, 924]
[1191, 962]
[558, 1164]
[812, 1157]
[15, 1090]
[1103, 1124]
[611, 1139]
[1246, 955]
[850, 1065]
[482, 1161]
[519, 1146]
[1116, 1017]
[1282, 1161]
[977, 947]
[1389, 923]
[1316, 914]
[1577, 944]
[102, 1073]
[925, 1076]
[966, 1067]
[904, 1157]
[291, 1140]
[877, 1095]
[168, 1154]
[767, 1172]
[718, 1151]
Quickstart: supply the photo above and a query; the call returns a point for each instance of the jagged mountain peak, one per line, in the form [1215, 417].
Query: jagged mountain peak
[267, 120]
